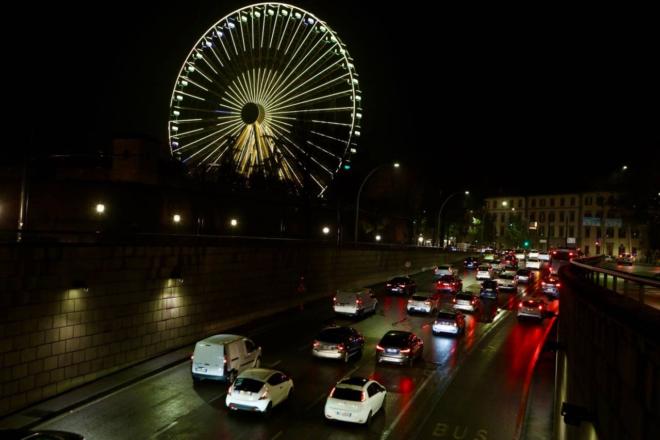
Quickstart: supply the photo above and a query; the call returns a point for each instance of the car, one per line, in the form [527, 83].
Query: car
[38, 434]
[533, 254]
[424, 302]
[354, 399]
[222, 357]
[531, 308]
[525, 276]
[355, 302]
[399, 347]
[510, 268]
[259, 389]
[625, 259]
[444, 269]
[404, 285]
[510, 260]
[488, 289]
[338, 342]
[471, 263]
[484, 272]
[507, 281]
[550, 286]
[497, 264]
[449, 321]
[533, 263]
[489, 255]
[449, 283]
[466, 301]
[520, 254]
[544, 257]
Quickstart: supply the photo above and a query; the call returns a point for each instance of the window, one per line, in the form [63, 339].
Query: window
[561, 231]
[609, 233]
[599, 232]
[600, 200]
[542, 230]
[520, 203]
[542, 216]
[275, 379]
[501, 217]
[551, 217]
[533, 203]
[552, 201]
[587, 231]
[373, 389]
[494, 204]
[571, 231]
[587, 214]
[561, 216]
[511, 203]
[542, 203]
[249, 346]
[501, 231]
[562, 202]
[622, 232]
[571, 216]
[635, 233]
[599, 214]
[551, 231]
[586, 250]
[532, 217]
[588, 201]
[572, 201]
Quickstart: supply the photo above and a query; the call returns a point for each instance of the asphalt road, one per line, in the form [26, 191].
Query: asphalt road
[469, 386]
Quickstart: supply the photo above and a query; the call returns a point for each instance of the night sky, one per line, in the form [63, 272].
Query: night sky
[485, 97]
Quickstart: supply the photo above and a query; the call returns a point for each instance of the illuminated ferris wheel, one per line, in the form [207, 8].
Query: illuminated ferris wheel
[269, 89]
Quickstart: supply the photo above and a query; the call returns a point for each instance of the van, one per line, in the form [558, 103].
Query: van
[223, 357]
[355, 302]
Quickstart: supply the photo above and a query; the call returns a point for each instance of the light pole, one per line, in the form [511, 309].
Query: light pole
[467, 193]
[357, 202]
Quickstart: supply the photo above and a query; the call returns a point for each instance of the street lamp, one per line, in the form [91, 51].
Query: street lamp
[420, 240]
[625, 167]
[378, 237]
[100, 208]
[233, 222]
[176, 218]
[326, 230]
[357, 202]
[437, 230]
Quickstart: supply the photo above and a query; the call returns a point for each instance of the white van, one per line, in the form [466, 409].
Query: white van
[223, 357]
[355, 302]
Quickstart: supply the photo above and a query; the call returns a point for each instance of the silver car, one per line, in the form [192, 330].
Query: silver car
[531, 308]
[507, 280]
[423, 302]
[466, 301]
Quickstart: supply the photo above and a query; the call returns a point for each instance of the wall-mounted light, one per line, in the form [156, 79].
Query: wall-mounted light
[176, 218]
[100, 208]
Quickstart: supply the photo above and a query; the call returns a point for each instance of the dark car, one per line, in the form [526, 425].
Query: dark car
[449, 283]
[525, 276]
[550, 286]
[38, 434]
[471, 263]
[449, 321]
[403, 285]
[488, 289]
[338, 343]
[399, 347]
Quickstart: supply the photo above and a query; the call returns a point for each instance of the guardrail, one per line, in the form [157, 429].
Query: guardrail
[641, 286]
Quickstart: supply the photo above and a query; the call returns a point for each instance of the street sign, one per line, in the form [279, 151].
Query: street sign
[543, 240]
[570, 240]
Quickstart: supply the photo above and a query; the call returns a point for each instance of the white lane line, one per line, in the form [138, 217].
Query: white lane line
[278, 435]
[396, 421]
[163, 429]
[217, 397]
[315, 402]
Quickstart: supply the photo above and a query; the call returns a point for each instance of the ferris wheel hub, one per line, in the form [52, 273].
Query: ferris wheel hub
[252, 113]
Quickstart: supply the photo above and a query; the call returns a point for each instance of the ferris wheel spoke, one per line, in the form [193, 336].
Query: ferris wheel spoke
[240, 26]
[201, 139]
[284, 93]
[305, 153]
[312, 110]
[309, 91]
[329, 97]
[318, 133]
[283, 33]
[330, 153]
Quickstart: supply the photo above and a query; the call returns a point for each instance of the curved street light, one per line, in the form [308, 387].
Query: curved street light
[437, 233]
[357, 202]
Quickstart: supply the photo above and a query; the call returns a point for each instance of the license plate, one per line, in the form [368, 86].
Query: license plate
[391, 350]
[202, 369]
[343, 413]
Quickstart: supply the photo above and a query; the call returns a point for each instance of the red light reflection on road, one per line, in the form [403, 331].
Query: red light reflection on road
[520, 347]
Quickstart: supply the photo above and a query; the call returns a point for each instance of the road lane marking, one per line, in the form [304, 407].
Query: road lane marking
[217, 397]
[163, 429]
[315, 402]
[278, 435]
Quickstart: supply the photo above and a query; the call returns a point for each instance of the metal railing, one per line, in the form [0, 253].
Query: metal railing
[643, 289]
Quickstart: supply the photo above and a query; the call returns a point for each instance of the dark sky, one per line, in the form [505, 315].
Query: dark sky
[458, 95]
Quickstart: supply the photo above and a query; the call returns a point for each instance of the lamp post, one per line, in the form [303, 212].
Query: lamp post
[357, 202]
[467, 193]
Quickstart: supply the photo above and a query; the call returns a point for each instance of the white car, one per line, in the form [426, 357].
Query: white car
[444, 269]
[533, 254]
[507, 280]
[223, 357]
[533, 263]
[355, 399]
[259, 389]
[483, 272]
[531, 308]
[544, 256]
[520, 255]
[423, 302]
[356, 302]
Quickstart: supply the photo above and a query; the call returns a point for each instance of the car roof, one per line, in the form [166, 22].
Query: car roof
[261, 374]
[354, 380]
[221, 339]
[424, 294]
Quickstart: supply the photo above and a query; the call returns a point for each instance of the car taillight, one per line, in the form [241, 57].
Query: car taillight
[317, 344]
[358, 301]
[264, 395]
[427, 303]
[540, 307]
[389, 284]
[334, 300]
[543, 283]
[363, 397]
[230, 390]
[473, 302]
[520, 304]
[192, 357]
[558, 284]
[454, 324]
[332, 391]
[409, 301]
[405, 351]
[340, 347]
[453, 300]
[379, 348]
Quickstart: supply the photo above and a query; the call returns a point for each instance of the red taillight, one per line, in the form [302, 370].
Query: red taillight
[192, 357]
[558, 284]
[230, 390]
[409, 301]
[540, 307]
[405, 351]
[402, 285]
[363, 397]
[317, 344]
[427, 303]
[389, 284]
[332, 391]
[571, 254]
[379, 348]
[453, 300]
[473, 302]
[340, 347]
[520, 304]
[334, 299]
[358, 301]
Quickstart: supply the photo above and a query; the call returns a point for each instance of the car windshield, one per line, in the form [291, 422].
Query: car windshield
[395, 339]
[247, 384]
[446, 315]
[447, 278]
[464, 296]
[489, 284]
[443, 267]
[399, 280]
[347, 394]
[338, 334]
[420, 297]
[506, 276]
[483, 268]
[523, 272]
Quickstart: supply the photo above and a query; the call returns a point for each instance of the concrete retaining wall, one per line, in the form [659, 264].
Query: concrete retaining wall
[71, 314]
[612, 360]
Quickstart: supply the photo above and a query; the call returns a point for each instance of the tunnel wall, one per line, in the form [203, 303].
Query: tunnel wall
[70, 314]
[612, 360]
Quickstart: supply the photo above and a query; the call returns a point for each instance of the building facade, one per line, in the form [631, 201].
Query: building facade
[594, 222]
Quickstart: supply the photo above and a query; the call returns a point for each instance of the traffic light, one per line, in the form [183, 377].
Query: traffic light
[347, 166]
[526, 243]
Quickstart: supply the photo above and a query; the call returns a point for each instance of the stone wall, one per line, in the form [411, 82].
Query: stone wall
[70, 314]
[612, 360]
